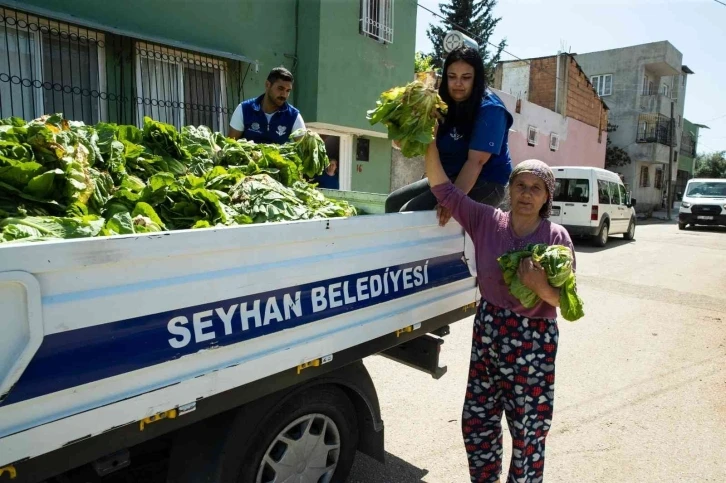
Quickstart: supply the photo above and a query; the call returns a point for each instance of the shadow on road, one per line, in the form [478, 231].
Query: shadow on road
[706, 229]
[585, 246]
[367, 470]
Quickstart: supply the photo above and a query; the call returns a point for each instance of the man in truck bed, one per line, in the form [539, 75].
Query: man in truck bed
[268, 118]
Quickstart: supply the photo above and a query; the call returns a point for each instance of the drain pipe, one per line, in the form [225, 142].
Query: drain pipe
[557, 86]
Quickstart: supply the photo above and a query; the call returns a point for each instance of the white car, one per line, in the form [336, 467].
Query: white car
[704, 203]
[592, 202]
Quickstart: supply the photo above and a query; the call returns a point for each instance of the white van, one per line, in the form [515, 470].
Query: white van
[704, 203]
[592, 202]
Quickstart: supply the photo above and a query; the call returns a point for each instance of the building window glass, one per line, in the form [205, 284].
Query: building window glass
[644, 177]
[603, 84]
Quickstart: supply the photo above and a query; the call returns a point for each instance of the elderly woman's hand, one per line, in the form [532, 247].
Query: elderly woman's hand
[532, 275]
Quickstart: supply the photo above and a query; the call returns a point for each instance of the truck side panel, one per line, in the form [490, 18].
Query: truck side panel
[135, 326]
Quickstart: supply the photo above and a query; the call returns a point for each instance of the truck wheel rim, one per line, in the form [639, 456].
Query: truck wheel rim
[306, 451]
[604, 234]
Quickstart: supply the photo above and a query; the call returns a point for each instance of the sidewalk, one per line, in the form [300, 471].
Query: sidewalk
[661, 216]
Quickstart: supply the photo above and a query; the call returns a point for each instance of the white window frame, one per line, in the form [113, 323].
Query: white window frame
[665, 90]
[192, 60]
[345, 156]
[554, 141]
[598, 83]
[380, 28]
[532, 135]
[37, 56]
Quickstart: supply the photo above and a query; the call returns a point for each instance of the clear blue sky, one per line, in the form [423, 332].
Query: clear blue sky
[536, 28]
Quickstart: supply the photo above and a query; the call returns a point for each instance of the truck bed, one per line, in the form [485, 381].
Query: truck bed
[102, 333]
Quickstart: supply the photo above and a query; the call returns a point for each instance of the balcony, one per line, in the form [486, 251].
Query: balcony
[657, 104]
[654, 128]
[653, 139]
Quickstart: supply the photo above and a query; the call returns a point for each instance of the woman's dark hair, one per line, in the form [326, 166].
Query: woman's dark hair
[462, 114]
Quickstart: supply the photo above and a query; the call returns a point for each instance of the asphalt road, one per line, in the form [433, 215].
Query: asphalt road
[641, 380]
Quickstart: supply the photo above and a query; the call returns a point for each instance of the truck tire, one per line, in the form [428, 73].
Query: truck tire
[601, 239]
[321, 419]
[314, 434]
[682, 226]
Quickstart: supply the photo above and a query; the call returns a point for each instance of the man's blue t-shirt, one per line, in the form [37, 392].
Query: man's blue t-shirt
[490, 134]
[327, 181]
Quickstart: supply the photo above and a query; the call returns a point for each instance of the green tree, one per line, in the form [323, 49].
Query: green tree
[712, 165]
[615, 157]
[422, 63]
[473, 18]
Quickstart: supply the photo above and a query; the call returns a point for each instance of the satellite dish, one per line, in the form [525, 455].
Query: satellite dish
[455, 39]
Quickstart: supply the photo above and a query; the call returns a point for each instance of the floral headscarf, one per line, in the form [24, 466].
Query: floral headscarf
[543, 172]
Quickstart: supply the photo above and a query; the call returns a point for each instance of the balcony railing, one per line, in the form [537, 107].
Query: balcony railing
[654, 128]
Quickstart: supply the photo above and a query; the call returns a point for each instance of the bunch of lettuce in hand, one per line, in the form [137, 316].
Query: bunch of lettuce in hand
[410, 114]
[556, 260]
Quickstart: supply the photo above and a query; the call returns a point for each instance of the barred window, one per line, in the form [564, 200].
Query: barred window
[180, 88]
[377, 20]
[49, 67]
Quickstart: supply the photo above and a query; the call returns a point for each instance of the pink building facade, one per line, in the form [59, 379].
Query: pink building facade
[574, 143]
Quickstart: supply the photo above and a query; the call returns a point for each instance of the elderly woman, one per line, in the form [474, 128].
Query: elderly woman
[513, 348]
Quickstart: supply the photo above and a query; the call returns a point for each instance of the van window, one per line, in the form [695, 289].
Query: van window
[603, 189]
[572, 190]
[623, 195]
[614, 193]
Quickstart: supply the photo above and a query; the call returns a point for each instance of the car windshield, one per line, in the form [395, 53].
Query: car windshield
[707, 189]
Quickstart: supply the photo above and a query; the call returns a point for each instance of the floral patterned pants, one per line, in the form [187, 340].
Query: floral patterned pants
[512, 371]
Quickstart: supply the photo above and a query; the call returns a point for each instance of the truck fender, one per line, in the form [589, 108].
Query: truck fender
[198, 451]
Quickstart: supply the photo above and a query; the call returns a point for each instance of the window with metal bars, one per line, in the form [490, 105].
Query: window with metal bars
[376, 20]
[180, 88]
[48, 66]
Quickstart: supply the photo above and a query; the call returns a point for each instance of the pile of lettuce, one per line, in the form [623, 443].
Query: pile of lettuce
[64, 179]
[556, 260]
[410, 114]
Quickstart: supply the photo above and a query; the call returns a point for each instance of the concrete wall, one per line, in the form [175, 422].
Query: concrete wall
[513, 78]
[629, 66]
[579, 144]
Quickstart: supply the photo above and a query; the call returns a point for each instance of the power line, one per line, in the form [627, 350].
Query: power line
[716, 118]
[528, 62]
[719, 1]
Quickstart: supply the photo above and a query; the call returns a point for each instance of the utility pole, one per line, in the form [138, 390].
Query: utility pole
[672, 129]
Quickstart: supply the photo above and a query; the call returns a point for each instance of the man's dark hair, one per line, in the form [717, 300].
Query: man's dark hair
[280, 73]
[462, 115]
